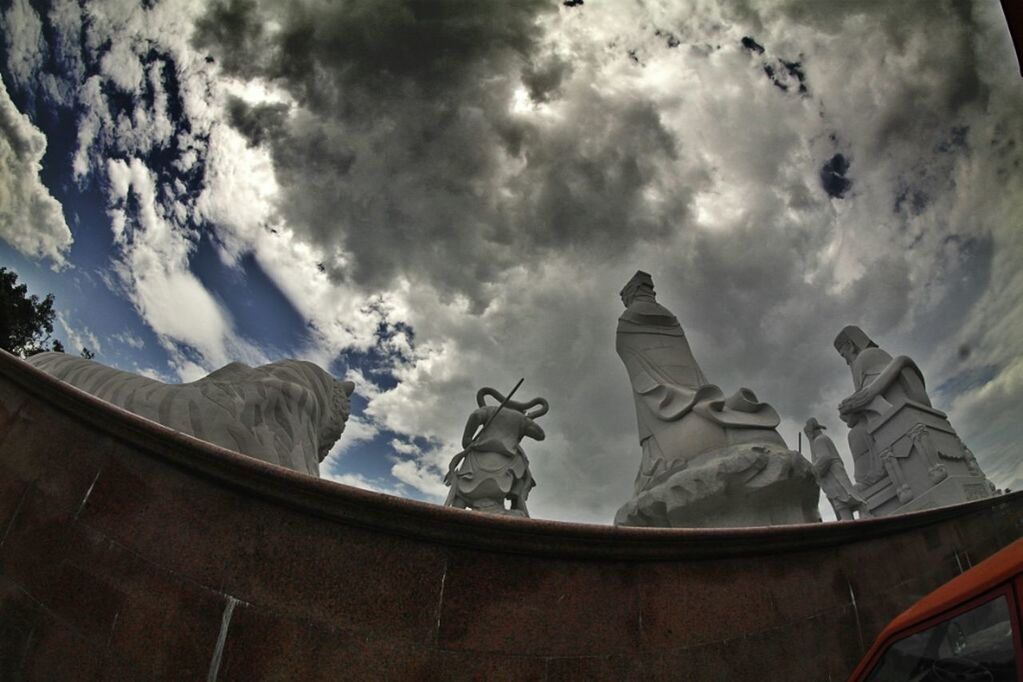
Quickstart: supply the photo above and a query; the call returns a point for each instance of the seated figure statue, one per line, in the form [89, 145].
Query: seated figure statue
[695, 440]
[493, 467]
[881, 383]
[906, 455]
[287, 413]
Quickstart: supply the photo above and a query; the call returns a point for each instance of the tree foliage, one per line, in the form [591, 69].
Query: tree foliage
[26, 323]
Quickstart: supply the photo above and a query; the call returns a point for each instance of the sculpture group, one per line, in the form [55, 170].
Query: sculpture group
[706, 459]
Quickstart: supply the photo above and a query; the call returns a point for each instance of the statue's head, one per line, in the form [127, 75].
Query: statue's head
[813, 427]
[534, 409]
[851, 341]
[337, 415]
[640, 286]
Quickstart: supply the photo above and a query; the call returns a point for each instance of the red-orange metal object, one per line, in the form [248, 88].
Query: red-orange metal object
[1000, 574]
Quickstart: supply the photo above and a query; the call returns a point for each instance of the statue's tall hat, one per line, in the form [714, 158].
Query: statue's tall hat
[812, 425]
[855, 336]
[639, 280]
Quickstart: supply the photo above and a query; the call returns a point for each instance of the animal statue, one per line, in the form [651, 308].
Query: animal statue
[289, 413]
[493, 467]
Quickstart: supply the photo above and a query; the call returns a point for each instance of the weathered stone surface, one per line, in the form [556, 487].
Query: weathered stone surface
[741, 485]
[287, 413]
[689, 431]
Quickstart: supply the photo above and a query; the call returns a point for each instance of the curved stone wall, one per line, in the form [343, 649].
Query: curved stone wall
[129, 551]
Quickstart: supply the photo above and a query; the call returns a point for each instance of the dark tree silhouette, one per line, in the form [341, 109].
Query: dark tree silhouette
[26, 323]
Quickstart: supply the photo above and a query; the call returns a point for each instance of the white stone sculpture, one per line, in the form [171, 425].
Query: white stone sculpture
[287, 413]
[906, 455]
[707, 460]
[831, 476]
[493, 467]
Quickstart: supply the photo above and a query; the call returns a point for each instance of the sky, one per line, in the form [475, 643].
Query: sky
[427, 197]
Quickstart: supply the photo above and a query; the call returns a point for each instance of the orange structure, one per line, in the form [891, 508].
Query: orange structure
[132, 552]
[994, 587]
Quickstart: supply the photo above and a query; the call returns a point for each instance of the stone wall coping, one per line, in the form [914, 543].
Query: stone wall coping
[432, 523]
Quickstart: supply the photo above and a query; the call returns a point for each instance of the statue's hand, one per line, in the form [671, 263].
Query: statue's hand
[450, 475]
[856, 401]
[453, 466]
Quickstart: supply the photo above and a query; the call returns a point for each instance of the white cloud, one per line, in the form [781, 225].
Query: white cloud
[360, 481]
[31, 220]
[421, 477]
[79, 336]
[128, 339]
[154, 270]
[151, 373]
[25, 44]
[65, 17]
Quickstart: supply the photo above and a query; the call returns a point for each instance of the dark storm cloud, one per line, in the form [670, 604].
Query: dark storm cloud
[257, 123]
[234, 30]
[543, 78]
[404, 151]
[936, 39]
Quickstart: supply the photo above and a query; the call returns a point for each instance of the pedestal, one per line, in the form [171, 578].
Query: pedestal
[926, 464]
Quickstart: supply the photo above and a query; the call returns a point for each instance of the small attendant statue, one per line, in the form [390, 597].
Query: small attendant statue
[830, 473]
[492, 467]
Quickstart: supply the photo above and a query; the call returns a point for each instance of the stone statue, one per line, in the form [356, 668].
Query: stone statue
[902, 447]
[829, 470]
[707, 460]
[881, 382]
[492, 467]
[287, 413]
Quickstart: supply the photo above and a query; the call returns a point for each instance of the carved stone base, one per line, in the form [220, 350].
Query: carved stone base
[925, 463]
[953, 490]
[737, 486]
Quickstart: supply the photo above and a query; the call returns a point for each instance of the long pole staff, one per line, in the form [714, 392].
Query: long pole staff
[457, 459]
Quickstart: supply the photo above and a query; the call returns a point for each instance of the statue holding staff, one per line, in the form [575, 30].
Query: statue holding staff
[493, 467]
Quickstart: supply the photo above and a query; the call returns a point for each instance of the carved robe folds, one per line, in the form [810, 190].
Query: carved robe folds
[707, 460]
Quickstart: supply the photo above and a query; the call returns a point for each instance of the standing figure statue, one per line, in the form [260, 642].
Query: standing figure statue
[492, 467]
[829, 470]
[706, 459]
